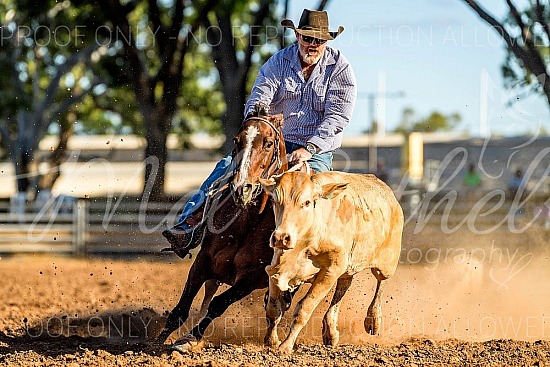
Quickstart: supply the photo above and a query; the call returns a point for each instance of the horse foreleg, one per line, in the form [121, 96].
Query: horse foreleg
[180, 313]
[219, 305]
[275, 305]
[210, 288]
[331, 335]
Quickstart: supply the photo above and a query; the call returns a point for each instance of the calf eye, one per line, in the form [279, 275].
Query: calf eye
[306, 204]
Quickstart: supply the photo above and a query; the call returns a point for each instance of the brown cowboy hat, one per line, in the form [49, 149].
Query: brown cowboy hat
[313, 23]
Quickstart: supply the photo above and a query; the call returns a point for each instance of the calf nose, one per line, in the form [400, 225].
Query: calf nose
[280, 240]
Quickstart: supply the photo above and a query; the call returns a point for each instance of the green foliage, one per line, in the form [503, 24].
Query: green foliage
[516, 74]
[201, 102]
[57, 30]
[49, 34]
[436, 121]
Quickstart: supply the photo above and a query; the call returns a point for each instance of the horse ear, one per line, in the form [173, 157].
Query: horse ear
[278, 120]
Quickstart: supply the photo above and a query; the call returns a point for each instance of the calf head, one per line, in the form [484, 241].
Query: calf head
[295, 197]
[258, 147]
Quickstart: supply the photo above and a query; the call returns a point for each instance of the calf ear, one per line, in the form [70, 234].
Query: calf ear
[267, 184]
[332, 190]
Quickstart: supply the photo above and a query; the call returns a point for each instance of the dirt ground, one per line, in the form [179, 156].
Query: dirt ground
[456, 299]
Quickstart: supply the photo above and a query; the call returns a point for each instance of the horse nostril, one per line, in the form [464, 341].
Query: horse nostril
[247, 188]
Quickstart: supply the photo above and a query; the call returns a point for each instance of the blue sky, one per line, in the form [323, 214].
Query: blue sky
[436, 51]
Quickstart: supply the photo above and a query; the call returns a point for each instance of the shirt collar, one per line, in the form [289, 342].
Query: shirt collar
[294, 58]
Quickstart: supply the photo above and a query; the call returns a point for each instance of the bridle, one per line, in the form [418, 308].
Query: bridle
[276, 158]
[275, 164]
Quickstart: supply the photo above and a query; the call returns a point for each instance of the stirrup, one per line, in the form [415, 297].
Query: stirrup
[182, 241]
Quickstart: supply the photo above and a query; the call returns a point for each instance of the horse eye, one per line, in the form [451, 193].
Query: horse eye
[307, 203]
[268, 144]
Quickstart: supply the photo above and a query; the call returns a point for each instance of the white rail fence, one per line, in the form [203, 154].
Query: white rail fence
[81, 227]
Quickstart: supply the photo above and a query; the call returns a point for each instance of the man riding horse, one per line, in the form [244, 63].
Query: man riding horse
[313, 86]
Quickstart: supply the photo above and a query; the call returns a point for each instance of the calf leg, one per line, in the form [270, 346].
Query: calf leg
[331, 336]
[276, 304]
[180, 313]
[274, 309]
[322, 284]
[373, 321]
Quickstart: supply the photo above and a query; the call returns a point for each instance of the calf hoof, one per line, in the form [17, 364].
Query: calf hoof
[372, 325]
[271, 342]
[187, 344]
[285, 349]
[331, 339]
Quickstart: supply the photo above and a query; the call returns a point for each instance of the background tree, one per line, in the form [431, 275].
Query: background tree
[527, 36]
[245, 35]
[234, 35]
[46, 70]
[155, 38]
[436, 121]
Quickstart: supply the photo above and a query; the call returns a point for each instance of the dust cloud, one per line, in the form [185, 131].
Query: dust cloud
[465, 286]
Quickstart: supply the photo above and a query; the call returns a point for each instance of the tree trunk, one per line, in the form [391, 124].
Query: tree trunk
[546, 88]
[156, 155]
[23, 153]
[47, 180]
[22, 171]
[235, 97]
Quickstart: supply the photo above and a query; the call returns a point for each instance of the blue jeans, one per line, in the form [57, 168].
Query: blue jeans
[320, 162]
[222, 167]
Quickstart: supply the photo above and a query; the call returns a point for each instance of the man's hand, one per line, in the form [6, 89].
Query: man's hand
[298, 156]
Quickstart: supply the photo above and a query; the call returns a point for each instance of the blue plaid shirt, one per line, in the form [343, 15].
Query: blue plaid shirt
[316, 110]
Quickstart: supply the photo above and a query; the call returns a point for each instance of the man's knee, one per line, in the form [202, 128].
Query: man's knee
[321, 162]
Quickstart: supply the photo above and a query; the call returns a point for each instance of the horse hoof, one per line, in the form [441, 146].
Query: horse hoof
[285, 348]
[187, 344]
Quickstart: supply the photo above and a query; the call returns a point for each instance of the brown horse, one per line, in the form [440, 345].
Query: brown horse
[235, 248]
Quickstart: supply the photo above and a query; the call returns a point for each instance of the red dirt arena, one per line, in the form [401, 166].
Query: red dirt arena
[456, 299]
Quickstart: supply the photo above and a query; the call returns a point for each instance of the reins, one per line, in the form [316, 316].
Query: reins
[276, 159]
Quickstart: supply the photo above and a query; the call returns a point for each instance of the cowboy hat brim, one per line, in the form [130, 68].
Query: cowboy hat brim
[316, 33]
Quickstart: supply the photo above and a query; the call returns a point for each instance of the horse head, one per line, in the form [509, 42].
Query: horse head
[259, 153]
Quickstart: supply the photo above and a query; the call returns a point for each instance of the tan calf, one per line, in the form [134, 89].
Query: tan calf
[329, 227]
